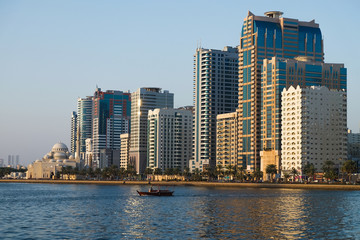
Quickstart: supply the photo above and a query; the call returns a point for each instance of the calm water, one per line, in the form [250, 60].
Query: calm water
[46, 211]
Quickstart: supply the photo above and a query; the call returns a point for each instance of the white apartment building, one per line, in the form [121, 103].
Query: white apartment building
[124, 150]
[143, 100]
[216, 79]
[169, 138]
[89, 152]
[314, 127]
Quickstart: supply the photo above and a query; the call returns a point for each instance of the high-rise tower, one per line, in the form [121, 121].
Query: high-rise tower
[143, 100]
[215, 92]
[111, 117]
[84, 122]
[74, 124]
[263, 38]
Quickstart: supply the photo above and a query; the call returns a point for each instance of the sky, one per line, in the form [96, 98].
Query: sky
[52, 52]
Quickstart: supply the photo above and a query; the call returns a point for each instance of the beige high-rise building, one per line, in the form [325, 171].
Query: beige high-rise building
[143, 100]
[226, 151]
[314, 127]
[124, 150]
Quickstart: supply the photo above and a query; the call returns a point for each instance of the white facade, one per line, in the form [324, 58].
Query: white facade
[215, 92]
[89, 152]
[124, 150]
[314, 127]
[169, 138]
[143, 100]
[51, 163]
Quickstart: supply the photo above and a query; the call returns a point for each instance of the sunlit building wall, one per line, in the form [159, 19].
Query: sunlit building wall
[314, 127]
[143, 100]
[263, 37]
[215, 92]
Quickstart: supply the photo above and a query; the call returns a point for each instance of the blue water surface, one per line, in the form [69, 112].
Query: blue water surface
[70, 211]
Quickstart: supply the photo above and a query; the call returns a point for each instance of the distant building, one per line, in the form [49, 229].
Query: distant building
[169, 138]
[84, 123]
[1, 162]
[124, 150]
[216, 79]
[74, 124]
[52, 163]
[354, 147]
[314, 127]
[89, 152]
[111, 117]
[226, 137]
[143, 100]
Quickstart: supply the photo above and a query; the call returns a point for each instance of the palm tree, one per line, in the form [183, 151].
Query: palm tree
[97, 173]
[157, 171]
[271, 169]
[329, 170]
[257, 174]
[309, 170]
[169, 171]
[294, 173]
[148, 171]
[349, 168]
[197, 175]
[240, 173]
[219, 170]
[230, 170]
[186, 172]
[286, 176]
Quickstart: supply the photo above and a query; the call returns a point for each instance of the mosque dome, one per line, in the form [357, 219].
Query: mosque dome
[60, 147]
[59, 155]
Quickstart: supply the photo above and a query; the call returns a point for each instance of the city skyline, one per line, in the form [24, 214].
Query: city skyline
[54, 52]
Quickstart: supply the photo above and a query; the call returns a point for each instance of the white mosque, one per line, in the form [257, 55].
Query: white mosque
[52, 162]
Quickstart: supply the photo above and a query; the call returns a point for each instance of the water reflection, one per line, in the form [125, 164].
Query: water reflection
[114, 212]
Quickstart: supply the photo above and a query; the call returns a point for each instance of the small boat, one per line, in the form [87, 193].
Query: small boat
[156, 192]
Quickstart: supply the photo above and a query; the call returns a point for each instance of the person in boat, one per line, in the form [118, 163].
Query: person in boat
[150, 190]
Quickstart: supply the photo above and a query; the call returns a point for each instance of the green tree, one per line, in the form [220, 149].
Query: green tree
[294, 173]
[309, 170]
[230, 170]
[148, 171]
[196, 175]
[186, 173]
[157, 171]
[272, 170]
[169, 171]
[219, 171]
[286, 176]
[329, 170]
[240, 173]
[257, 174]
[349, 167]
[98, 173]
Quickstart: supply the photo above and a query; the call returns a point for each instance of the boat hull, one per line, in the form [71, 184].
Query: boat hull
[158, 193]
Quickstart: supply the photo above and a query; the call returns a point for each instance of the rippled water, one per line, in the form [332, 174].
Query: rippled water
[51, 211]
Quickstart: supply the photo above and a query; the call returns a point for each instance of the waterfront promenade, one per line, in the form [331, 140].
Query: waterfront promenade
[194, 183]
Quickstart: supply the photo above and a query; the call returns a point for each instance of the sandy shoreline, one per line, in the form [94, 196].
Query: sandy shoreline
[203, 184]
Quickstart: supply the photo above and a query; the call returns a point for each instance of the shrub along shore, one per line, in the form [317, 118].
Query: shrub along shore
[193, 183]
